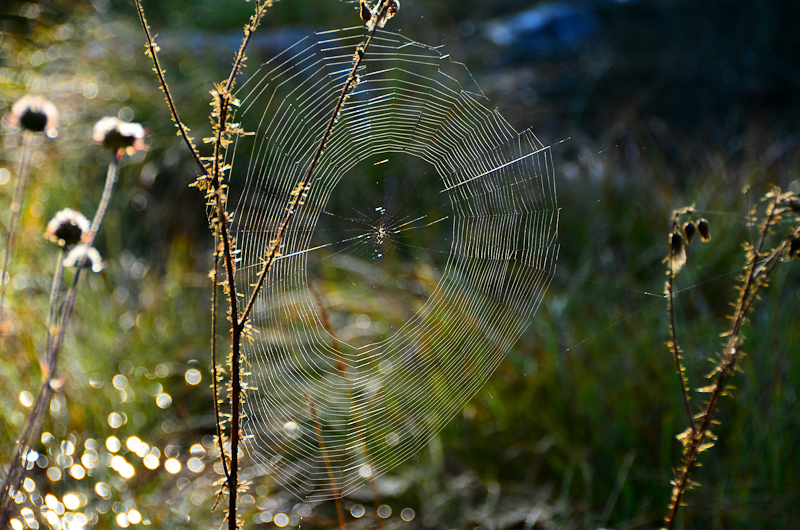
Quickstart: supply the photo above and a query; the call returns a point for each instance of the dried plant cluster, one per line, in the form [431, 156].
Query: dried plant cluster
[774, 243]
[212, 182]
[75, 237]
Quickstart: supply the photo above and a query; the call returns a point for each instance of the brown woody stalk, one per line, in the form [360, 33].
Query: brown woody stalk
[676, 352]
[759, 268]
[212, 183]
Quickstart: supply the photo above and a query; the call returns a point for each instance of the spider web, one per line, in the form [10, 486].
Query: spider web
[424, 245]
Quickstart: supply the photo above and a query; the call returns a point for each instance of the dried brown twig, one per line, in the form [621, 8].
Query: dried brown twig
[760, 264]
[211, 181]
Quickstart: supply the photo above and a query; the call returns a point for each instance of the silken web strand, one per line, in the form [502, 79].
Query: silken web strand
[424, 244]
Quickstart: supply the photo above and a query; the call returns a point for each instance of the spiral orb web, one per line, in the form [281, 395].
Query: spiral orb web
[424, 245]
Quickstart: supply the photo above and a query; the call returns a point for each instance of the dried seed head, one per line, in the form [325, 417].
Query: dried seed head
[35, 114]
[66, 228]
[689, 229]
[380, 21]
[794, 204]
[794, 248]
[703, 228]
[117, 135]
[366, 12]
[79, 252]
[677, 252]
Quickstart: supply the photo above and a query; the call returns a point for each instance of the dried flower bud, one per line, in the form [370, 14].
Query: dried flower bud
[689, 229]
[366, 12]
[77, 254]
[117, 135]
[702, 227]
[35, 114]
[794, 204]
[794, 248]
[677, 252]
[67, 228]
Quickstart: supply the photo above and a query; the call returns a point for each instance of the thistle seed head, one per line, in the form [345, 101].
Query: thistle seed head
[35, 114]
[76, 255]
[67, 228]
[119, 136]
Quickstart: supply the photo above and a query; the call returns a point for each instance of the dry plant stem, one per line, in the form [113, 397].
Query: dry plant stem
[214, 304]
[758, 271]
[152, 49]
[296, 199]
[337, 497]
[239, 321]
[58, 325]
[676, 353]
[16, 208]
[221, 227]
[54, 346]
[16, 470]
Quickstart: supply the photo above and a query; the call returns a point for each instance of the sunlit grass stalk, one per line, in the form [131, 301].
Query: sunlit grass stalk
[351, 400]
[16, 470]
[337, 496]
[758, 268]
[16, 209]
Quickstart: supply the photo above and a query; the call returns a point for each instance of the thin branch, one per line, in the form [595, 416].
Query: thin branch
[340, 365]
[300, 190]
[214, 370]
[152, 51]
[16, 470]
[758, 271]
[249, 29]
[676, 353]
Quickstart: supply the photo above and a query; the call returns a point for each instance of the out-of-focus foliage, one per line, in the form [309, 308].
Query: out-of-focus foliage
[666, 105]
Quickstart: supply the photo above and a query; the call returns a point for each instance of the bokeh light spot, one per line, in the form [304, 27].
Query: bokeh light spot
[172, 465]
[163, 400]
[113, 444]
[26, 398]
[151, 461]
[193, 376]
[115, 420]
[195, 465]
[77, 472]
[72, 501]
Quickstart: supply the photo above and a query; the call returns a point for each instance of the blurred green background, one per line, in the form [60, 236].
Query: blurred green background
[659, 104]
